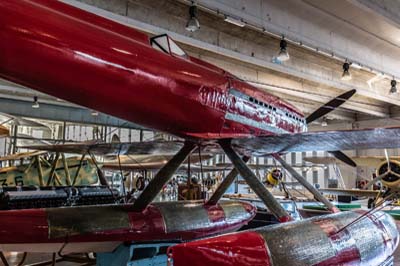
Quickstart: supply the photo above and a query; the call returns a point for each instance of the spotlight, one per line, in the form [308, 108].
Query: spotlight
[193, 23]
[393, 87]
[94, 113]
[234, 21]
[283, 54]
[346, 71]
[35, 103]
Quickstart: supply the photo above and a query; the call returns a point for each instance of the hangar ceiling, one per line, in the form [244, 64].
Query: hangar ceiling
[321, 35]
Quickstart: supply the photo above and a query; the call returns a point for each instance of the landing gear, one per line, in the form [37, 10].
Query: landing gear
[306, 184]
[225, 184]
[162, 177]
[269, 200]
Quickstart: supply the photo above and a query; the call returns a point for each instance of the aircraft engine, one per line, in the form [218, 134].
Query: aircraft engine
[274, 177]
[392, 178]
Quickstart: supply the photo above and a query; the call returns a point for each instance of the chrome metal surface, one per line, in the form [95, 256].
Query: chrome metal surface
[319, 240]
[64, 222]
[177, 221]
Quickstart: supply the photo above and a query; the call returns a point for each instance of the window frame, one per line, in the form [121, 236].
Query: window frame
[153, 40]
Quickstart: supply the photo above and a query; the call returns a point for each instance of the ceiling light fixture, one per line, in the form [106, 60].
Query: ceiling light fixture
[356, 65]
[346, 76]
[94, 113]
[193, 23]
[234, 21]
[393, 86]
[283, 54]
[35, 103]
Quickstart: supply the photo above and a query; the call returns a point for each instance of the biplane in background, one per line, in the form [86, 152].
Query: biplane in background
[7, 121]
[72, 54]
[386, 182]
[39, 168]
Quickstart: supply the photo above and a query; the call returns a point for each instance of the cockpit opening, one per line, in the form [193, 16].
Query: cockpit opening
[165, 44]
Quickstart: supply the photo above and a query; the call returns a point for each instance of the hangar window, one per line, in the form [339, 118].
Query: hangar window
[165, 44]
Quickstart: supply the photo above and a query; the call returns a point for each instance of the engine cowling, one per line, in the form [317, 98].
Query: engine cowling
[274, 177]
[392, 178]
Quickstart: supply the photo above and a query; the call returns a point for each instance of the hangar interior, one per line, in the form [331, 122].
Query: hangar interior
[306, 52]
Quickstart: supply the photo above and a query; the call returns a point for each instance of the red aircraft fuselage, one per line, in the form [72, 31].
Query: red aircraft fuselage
[86, 59]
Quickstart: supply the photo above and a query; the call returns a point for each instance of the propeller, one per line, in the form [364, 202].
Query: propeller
[327, 108]
[381, 176]
[376, 179]
[330, 106]
[343, 157]
[387, 160]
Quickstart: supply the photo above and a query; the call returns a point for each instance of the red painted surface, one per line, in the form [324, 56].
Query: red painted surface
[285, 219]
[335, 209]
[32, 226]
[216, 213]
[264, 246]
[83, 58]
[346, 257]
[23, 226]
[241, 249]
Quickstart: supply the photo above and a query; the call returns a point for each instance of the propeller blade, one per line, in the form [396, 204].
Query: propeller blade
[387, 159]
[330, 106]
[376, 179]
[343, 157]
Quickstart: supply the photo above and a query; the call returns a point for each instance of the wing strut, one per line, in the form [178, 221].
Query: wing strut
[162, 177]
[306, 184]
[262, 192]
[219, 192]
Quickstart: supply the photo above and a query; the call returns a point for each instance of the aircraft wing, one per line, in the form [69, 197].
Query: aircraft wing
[154, 158]
[132, 148]
[350, 192]
[19, 121]
[22, 155]
[369, 161]
[157, 166]
[250, 165]
[378, 138]
[322, 160]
